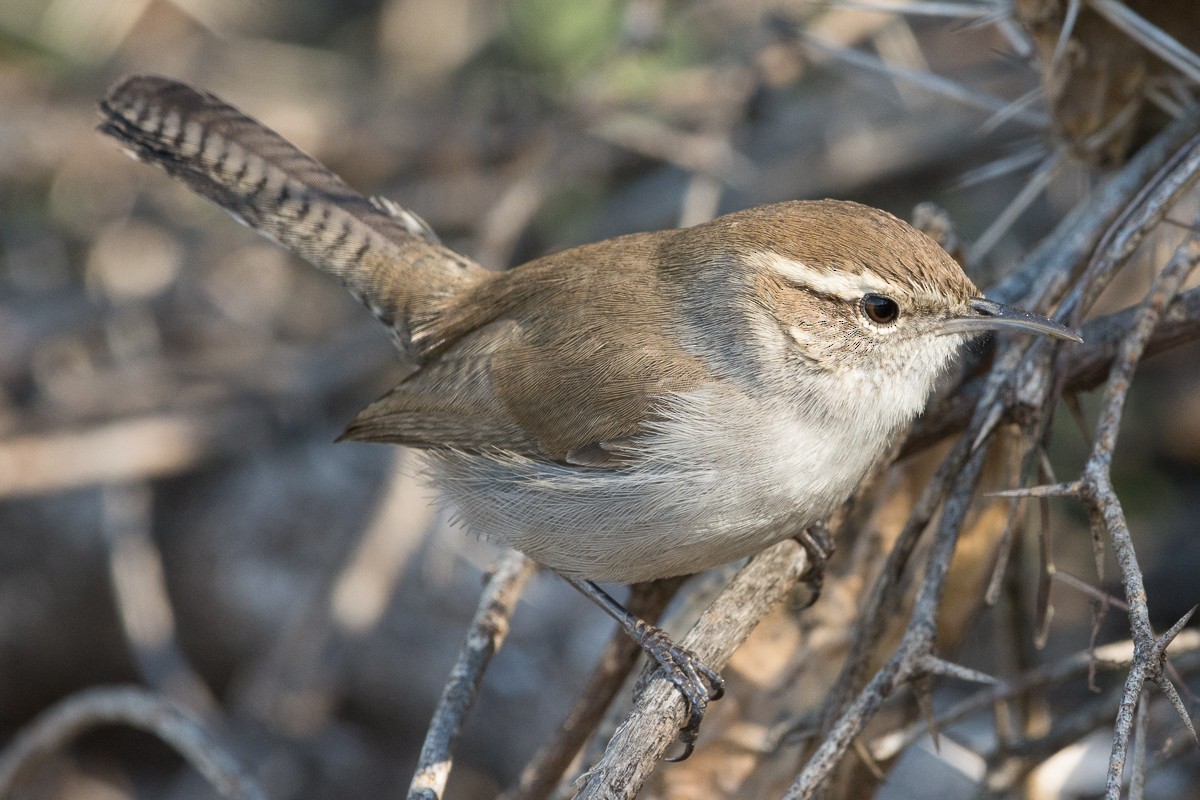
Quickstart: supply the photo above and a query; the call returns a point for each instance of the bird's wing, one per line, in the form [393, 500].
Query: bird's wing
[567, 359]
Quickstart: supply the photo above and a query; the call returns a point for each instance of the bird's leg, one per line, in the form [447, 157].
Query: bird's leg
[818, 544]
[696, 681]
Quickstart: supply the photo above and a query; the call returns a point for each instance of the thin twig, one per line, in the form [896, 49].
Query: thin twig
[911, 657]
[541, 775]
[1103, 505]
[1115, 655]
[1086, 366]
[484, 637]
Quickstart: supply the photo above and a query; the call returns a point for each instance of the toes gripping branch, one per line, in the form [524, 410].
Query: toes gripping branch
[698, 683]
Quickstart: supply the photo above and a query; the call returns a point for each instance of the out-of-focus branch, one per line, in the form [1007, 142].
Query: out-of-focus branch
[486, 634]
[143, 603]
[646, 601]
[184, 433]
[125, 705]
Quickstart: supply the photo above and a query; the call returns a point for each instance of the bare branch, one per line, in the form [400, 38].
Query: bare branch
[1086, 366]
[1105, 509]
[125, 705]
[484, 638]
[917, 645]
[646, 601]
[652, 726]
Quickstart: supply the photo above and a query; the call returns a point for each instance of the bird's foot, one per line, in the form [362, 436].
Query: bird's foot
[819, 546]
[699, 683]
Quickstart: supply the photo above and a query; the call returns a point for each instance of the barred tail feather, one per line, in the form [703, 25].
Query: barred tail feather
[384, 255]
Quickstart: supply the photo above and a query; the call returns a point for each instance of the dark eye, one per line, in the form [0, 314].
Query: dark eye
[880, 309]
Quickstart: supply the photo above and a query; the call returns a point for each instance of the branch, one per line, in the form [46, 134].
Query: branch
[484, 638]
[651, 727]
[1104, 508]
[142, 602]
[916, 648]
[53, 729]
[540, 776]
[1025, 377]
[1115, 655]
[1086, 366]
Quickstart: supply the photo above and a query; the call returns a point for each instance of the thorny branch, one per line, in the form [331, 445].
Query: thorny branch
[1099, 497]
[1117, 655]
[540, 776]
[1023, 376]
[1031, 383]
[1026, 378]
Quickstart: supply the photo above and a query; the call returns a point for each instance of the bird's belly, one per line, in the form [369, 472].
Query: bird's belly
[691, 500]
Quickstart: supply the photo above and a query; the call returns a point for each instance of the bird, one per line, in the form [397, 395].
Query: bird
[638, 408]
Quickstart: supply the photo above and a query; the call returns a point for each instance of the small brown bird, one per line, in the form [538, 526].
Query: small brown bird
[642, 407]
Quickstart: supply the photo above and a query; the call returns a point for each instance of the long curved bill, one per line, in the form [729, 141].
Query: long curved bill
[989, 316]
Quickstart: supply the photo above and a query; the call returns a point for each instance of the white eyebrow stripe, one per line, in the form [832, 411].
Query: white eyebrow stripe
[844, 285]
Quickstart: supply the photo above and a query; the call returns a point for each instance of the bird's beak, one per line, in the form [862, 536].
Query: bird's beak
[988, 315]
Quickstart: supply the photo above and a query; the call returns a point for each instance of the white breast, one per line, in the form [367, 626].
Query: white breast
[710, 486]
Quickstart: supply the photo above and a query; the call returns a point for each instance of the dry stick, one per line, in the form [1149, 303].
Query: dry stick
[1150, 207]
[915, 652]
[1009, 766]
[1086, 365]
[874, 617]
[1105, 508]
[651, 727]
[1152, 204]
[876, 612]
[54, 728]
[1116, 194]
[1168, 170]
[1095, 241]
[142, 602]
[543, 773]
[1115, 655]
[1137, 783]
[487, 632]
[846, 707]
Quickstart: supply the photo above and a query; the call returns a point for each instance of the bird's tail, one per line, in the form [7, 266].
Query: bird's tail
[385, 256]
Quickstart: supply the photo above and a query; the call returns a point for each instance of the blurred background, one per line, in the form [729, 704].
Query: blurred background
[173, 511]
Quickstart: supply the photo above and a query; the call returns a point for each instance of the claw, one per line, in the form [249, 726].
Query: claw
[819, 546]
[698, 683]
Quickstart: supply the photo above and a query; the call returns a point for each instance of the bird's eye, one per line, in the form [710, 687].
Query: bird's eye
[880, 309]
